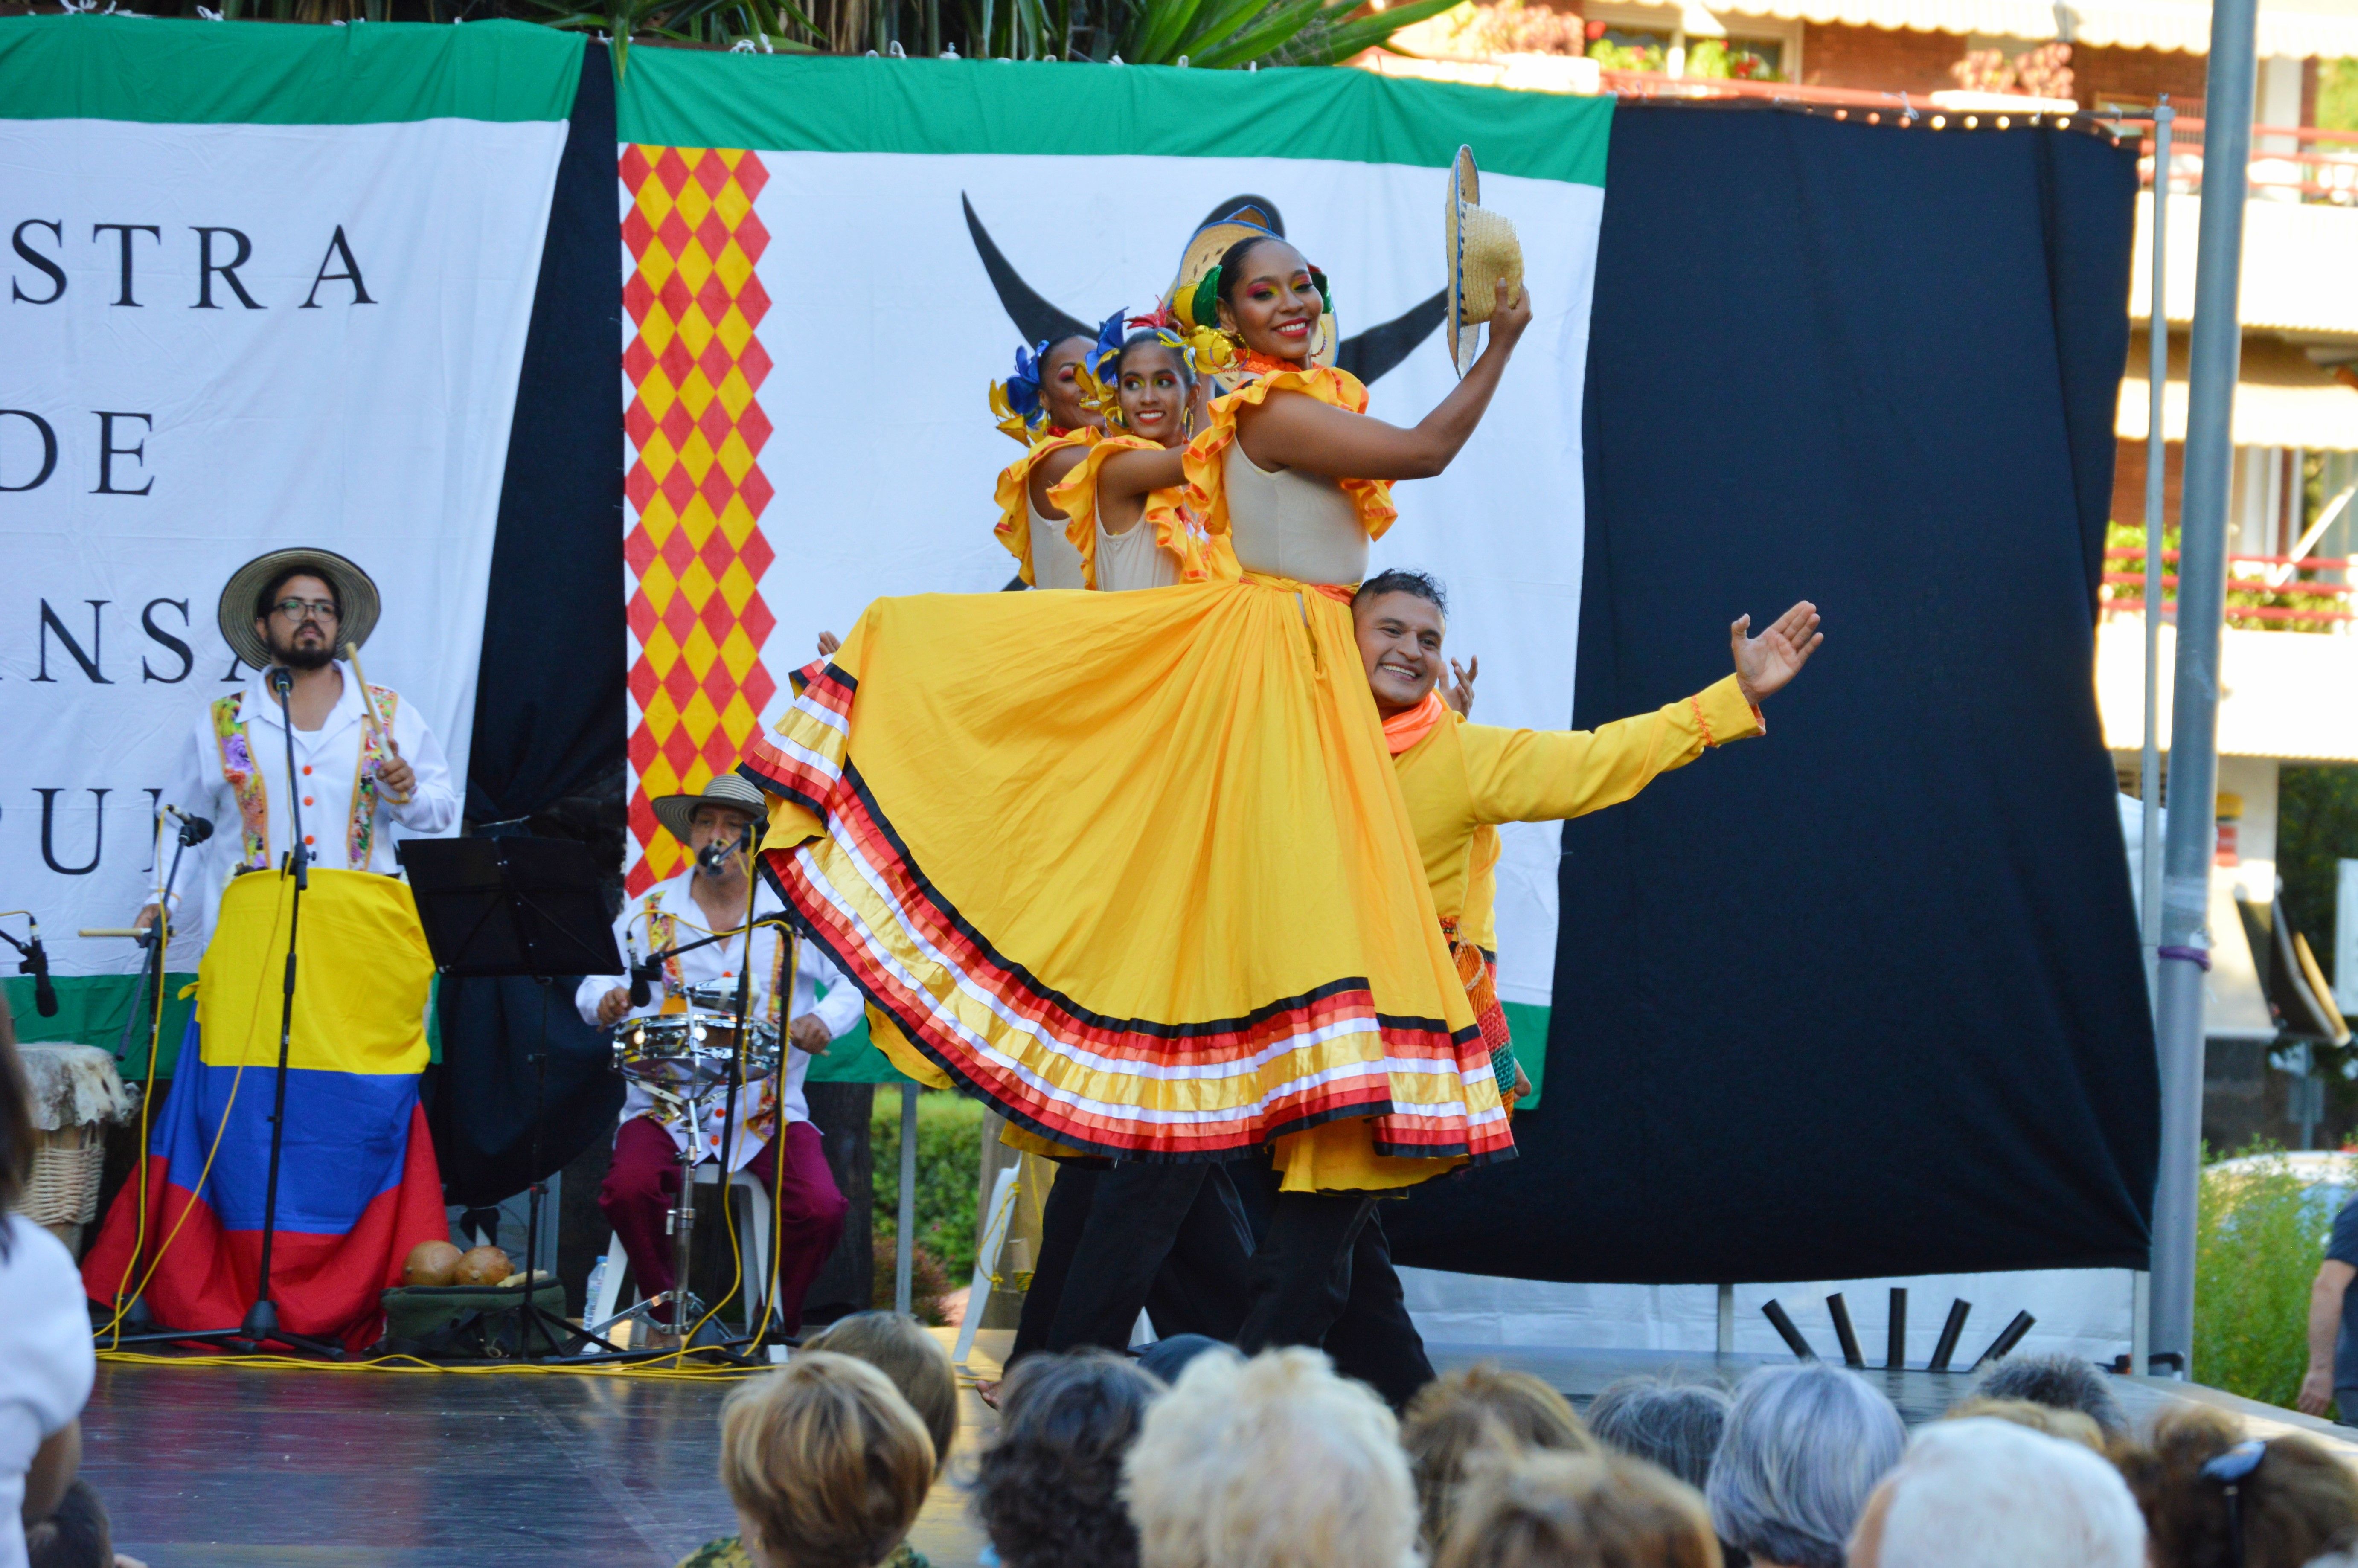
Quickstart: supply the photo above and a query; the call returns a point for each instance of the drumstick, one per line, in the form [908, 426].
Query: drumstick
[368, 706]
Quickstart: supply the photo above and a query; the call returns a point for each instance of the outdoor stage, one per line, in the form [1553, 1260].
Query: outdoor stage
[213, 1467]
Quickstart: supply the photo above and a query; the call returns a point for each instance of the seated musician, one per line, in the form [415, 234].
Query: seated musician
[771, 1138]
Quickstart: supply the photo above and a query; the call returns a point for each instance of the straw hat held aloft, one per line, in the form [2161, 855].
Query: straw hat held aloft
[1482, 249]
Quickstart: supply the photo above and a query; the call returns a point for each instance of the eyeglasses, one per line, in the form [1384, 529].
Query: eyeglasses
[296, 609]
[2231, 1470]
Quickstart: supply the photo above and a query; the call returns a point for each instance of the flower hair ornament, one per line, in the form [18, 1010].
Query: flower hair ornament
[1016, 401]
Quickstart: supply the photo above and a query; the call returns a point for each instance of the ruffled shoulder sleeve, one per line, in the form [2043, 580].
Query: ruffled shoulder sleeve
[1076, 495]
[1014, 527]
[1207, 454]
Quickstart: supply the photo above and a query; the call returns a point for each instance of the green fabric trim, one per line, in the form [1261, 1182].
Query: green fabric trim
[853, 1059]
[807, 103]
[161, 72]
[1529, 1025]
[90, 1011]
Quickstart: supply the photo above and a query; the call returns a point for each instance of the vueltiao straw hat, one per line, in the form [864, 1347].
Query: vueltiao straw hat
[241, 598]
[676, 812]
[1236, 219]
[1482, 249]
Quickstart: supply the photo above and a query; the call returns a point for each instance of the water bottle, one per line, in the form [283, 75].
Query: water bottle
[597, 1279]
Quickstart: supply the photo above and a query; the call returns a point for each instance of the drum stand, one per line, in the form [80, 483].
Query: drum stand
[680, 1221]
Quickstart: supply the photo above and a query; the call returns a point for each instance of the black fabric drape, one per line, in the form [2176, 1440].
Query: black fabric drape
[549, 707]
[549, 696]
[1862, 998]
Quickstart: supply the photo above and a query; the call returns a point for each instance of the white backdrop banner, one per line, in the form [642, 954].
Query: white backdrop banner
[826, 260]
[266, 286]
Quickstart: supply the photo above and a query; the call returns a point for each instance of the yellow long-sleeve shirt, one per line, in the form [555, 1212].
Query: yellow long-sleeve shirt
[1463, 779]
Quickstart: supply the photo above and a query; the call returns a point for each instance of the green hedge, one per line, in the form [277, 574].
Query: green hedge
[949, 1162]
[2258, 1240]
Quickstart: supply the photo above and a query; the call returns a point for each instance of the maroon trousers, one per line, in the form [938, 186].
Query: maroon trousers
[644, 1180]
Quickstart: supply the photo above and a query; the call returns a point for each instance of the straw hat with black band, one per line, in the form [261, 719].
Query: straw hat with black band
[1482, 249]
[357, 604]
[677, 812]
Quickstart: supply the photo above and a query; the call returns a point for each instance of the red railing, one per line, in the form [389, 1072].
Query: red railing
[2324, 166]
[2338, 593]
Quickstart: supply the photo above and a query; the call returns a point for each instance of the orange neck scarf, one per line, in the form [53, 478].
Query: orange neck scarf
[1405, 729]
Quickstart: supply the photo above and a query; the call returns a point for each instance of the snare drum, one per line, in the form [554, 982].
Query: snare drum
[689, 1053]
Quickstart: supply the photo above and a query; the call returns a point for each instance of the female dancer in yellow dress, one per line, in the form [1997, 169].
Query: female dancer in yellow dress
[1134, 867]
[1042, 406]
[1146, 388]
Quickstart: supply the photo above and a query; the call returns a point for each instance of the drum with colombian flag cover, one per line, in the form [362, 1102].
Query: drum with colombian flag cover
[358, 1187]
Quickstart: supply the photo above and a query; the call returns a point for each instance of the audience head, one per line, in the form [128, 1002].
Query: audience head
[2058, 1382]
[2068, 1425]
[898, 1345]
[1272, 1463]
[1663, 1421]
[1577, 1511]
[2294, 1502]
[76, 1536]
[1804, 1446]
[1168, 1357]
[825, 1462]
[1984, 1490]
[1483, 1409]
[1048, 1490]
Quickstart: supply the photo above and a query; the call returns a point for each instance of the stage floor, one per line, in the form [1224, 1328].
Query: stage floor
[215, 1467]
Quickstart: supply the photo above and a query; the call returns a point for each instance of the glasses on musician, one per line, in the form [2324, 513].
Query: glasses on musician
[297, 608]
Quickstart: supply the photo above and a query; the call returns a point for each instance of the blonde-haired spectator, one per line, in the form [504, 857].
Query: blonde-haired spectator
[2047, 1420]
[1272, 1463]
[827, 1466]
[898, 1345]
[1577, 1511]
[1478, 1409]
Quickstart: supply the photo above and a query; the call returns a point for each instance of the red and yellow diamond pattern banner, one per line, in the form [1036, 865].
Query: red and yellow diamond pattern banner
[695, 488]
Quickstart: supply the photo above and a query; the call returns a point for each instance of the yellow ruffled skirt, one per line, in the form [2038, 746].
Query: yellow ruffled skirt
[1135, 869]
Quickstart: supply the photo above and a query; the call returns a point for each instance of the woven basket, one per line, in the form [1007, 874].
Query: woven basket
[63, 1193]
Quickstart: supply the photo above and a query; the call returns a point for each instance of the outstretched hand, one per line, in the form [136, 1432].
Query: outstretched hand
[1763, 664]
[1459, 694]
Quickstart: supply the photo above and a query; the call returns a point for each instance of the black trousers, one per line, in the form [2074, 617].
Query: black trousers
[1323, 1276]
[1169, 1239]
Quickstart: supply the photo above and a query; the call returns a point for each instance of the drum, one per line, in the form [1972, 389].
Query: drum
[690, 1054]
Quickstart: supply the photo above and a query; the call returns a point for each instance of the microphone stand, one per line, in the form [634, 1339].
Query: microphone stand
[262, 1319]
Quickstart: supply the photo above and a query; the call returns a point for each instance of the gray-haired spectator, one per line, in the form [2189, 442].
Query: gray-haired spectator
[2058, 1382]
[1048, 1489]
[1985, 1490]
[1662, 1421]
[1804, 1446]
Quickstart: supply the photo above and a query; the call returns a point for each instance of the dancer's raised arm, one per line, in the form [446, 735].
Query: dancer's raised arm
[1272, 305]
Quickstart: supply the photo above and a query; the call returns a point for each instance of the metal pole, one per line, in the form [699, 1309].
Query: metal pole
[2201, 595]
[2157, 455]
[905, 1238]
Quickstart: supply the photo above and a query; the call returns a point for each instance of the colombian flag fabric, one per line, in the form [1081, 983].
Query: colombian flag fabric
[357, 1183]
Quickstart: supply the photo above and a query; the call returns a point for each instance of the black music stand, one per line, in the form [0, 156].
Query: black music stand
[532, 908]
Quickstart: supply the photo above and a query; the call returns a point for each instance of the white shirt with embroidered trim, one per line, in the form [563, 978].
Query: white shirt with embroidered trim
[326, 763]
[839, 1009]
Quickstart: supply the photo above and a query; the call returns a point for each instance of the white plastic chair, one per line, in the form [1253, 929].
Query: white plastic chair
[752, 1245]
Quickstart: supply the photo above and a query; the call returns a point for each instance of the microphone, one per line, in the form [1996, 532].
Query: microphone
[194, 830]
[641, 992]
[717, 854]
[36, 964]
[282, 679]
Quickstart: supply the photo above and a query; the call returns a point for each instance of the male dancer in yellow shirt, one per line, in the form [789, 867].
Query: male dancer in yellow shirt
[1461, 780]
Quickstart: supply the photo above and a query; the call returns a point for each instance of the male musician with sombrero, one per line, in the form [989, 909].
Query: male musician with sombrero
[304, 750]
[771, 1126]
[370, 771]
